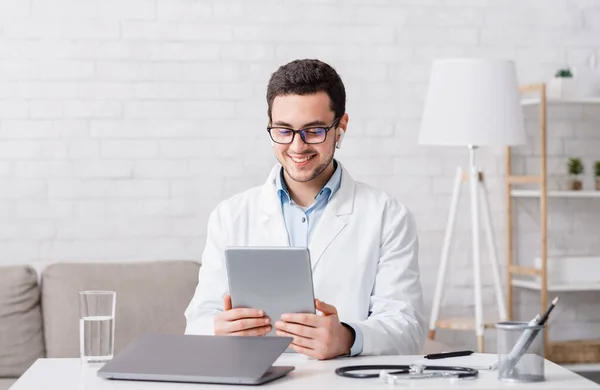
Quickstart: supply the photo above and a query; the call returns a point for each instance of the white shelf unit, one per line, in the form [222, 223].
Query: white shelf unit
[536, 278]
[555, 194]
[583, 100]
[559, 287]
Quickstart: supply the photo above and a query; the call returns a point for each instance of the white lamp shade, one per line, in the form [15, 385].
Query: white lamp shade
[472, 101]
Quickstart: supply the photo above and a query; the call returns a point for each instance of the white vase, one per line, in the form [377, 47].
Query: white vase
[561, 88]
[588, 82]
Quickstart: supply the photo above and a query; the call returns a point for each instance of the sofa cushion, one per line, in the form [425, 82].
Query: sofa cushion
[151, 297]
[6, 383]
[21, 339]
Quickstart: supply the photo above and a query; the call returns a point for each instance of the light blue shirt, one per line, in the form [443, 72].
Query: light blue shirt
[301, 222]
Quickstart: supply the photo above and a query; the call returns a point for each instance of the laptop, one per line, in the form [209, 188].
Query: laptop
[199, 359]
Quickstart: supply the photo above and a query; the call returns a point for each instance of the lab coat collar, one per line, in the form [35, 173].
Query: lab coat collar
[332, 222]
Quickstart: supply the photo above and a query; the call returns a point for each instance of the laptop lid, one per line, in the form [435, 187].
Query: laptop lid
[192, 358]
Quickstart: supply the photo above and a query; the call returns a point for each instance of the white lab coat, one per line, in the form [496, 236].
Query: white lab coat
[363, 253]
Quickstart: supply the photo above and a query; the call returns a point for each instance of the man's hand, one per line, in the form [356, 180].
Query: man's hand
[320, 337]
[241, 322]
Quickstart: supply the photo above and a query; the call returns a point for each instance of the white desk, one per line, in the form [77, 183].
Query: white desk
[67, 374]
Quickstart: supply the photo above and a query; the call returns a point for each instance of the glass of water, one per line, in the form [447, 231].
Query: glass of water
[96, 326]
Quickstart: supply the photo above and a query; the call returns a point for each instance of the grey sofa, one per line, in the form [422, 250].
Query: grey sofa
[42, 319]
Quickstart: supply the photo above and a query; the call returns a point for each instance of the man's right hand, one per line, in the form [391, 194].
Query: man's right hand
[241, 321]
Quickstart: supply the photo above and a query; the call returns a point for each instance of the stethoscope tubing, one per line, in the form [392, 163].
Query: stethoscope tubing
[348, 371]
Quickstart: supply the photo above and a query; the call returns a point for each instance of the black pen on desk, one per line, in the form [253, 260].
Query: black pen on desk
[444, 355]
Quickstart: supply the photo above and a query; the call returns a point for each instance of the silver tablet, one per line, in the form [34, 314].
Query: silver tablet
[277, 280]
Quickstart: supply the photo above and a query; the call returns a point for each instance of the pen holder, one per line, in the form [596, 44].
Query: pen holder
[520, 352]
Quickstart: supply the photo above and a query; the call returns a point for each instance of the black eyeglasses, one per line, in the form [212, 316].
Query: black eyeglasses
[310, 135]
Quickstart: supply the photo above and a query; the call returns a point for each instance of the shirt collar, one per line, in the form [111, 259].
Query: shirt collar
[328, 189]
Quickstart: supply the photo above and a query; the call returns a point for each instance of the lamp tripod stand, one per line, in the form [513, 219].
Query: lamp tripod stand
[478, 193]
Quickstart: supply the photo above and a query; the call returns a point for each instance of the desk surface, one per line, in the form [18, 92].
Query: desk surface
[67, 374]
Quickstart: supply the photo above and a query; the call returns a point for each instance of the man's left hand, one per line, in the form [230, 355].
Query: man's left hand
[320, 337]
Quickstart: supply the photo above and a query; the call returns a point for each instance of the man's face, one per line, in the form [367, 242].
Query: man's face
[303, 162]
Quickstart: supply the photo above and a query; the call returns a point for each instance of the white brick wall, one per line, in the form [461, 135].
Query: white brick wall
[124, 122]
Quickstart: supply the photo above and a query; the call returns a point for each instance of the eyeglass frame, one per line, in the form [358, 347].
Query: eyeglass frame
[335, 124]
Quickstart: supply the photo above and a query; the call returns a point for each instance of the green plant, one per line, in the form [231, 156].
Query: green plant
[564, 73]
[597, 168]
[575, 166]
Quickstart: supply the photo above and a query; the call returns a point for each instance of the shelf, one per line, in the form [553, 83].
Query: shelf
[555, 194]
[582, 100]
[462, 324]
[533, 285]
[562, 274]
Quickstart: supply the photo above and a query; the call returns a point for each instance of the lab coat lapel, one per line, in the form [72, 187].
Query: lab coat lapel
[334, 218]
[271, 223]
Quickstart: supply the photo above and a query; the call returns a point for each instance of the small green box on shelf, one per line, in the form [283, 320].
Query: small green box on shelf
[597, 174]
[575, 169]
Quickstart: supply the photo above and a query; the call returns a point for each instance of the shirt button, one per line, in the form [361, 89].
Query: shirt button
[303, 219]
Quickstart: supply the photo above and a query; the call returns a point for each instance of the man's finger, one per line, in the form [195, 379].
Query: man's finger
[325, 308]
[298, 340]
[247, 323]
[260, 331]
[227, 302]
[307, 319]
[239, 313]
[296, 329]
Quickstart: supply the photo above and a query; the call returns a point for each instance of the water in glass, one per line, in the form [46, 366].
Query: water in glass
[96, 338]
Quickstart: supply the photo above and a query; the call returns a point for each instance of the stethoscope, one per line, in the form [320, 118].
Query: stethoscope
[413, 371]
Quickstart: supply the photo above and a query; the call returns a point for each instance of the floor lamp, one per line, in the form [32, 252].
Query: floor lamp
[472, 103]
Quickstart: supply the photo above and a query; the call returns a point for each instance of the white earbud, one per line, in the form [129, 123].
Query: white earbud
[338, 144]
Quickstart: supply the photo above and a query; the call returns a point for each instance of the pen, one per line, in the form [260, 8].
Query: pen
[522, 341]
[447, 354]
[547, 313]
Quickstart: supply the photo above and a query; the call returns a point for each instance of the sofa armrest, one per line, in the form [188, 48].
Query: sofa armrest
[21, 338]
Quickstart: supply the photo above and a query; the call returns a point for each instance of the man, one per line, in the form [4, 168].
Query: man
[363, 243]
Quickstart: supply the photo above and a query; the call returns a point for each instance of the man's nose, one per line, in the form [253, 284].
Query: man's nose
[298, 143]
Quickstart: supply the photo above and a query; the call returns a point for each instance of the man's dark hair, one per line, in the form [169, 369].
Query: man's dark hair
[304, 77]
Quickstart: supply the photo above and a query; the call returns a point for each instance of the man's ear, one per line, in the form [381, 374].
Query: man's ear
[338, 143]
[341, 131]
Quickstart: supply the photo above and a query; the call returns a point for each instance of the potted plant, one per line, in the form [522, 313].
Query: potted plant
[575, 169]
[562, 85]
[597, 174]
[564, 73]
